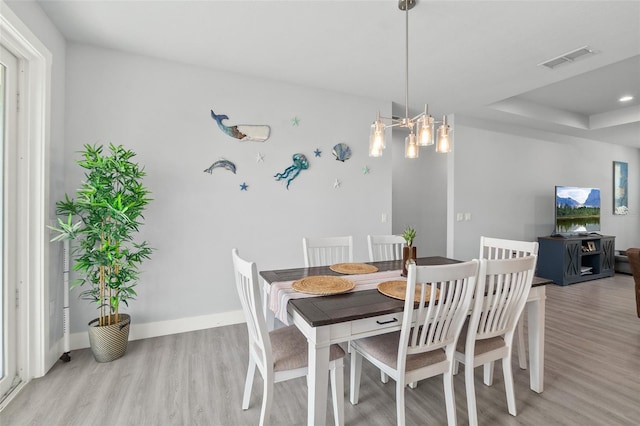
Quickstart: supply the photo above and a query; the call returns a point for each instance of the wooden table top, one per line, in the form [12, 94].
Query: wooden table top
[325, 310]
[297, 273]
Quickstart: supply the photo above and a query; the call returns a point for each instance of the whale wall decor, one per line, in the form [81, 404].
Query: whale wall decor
[243, 132]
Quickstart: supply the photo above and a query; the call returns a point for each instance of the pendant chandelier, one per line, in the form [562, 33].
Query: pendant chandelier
[421, 127]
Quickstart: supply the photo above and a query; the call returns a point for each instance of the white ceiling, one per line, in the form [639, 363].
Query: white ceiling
[473, 58]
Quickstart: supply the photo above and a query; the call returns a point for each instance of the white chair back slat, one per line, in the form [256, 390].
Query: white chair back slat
[385, 247]
[498, 248]
[438, 322]
[505, 284]
[325, 251]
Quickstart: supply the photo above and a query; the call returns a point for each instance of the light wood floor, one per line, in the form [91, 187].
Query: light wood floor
[592, 377]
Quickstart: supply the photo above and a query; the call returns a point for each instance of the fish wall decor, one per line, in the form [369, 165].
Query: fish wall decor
[225, 164]
[243, 132]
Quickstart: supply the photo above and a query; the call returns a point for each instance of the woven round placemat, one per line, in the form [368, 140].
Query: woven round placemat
[398, 290]
[353, 268]
[323, 285]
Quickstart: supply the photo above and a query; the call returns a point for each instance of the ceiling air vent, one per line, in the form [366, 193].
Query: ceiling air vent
[568, 57]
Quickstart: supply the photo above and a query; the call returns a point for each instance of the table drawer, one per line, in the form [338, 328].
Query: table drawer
[374, 325]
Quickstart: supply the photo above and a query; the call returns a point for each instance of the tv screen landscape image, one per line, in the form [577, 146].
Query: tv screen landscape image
[577, 210]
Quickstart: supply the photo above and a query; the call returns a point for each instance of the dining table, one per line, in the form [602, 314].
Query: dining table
[363, 312]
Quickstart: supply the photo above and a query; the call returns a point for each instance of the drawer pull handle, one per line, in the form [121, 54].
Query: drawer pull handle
[386, 322]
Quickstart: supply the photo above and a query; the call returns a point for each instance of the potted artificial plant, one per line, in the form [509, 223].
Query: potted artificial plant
[103, 220]
[409, 251]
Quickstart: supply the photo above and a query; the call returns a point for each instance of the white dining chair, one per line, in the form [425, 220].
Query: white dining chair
[425, 345]
[488, 335]
[499, 248]
[385, 247]
[281, 354]
[323, 251]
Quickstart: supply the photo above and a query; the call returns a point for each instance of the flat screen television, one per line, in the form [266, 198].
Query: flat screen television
[577, 210]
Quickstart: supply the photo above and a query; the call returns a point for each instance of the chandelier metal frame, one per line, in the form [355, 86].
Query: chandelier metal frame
[423, 124]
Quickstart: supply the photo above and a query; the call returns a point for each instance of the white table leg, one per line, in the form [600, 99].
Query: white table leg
[269, 315]
[536, 325]
[317, 382]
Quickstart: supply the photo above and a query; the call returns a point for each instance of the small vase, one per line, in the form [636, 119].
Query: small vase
[408, 256]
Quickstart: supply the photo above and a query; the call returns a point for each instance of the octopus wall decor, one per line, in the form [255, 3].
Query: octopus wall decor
[300, 163]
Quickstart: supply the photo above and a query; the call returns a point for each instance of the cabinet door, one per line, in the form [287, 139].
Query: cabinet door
[572, 261]
[607, 258]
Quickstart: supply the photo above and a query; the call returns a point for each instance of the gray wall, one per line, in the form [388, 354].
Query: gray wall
[419, 193]
[505, 177]
[161, 110]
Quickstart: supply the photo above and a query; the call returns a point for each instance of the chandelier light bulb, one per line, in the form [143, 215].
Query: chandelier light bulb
[379, 134]
[425, 130]
[444, 144]
[376, 139]
[411, 146]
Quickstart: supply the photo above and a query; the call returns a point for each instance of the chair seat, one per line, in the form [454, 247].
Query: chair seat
[482, 346]
[384, 347]
[290, 349]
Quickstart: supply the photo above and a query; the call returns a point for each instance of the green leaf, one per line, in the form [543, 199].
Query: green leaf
[409, 234]
[103, 219]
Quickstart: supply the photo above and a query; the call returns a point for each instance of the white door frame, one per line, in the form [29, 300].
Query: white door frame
[8, 145]
[34, 86]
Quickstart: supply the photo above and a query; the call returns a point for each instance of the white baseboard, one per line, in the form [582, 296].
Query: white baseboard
[164, 328]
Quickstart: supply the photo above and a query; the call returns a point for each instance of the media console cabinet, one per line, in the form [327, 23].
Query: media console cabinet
[574, 259]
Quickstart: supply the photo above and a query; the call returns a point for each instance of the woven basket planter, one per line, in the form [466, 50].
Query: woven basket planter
[109, 342]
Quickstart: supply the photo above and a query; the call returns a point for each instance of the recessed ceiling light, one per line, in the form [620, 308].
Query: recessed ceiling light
[626, 98]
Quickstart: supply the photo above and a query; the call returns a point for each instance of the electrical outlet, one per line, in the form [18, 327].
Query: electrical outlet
[384, 218]
[459, 217]
[467, 216]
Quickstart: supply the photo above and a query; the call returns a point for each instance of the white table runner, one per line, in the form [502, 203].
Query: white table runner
[281, 292]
